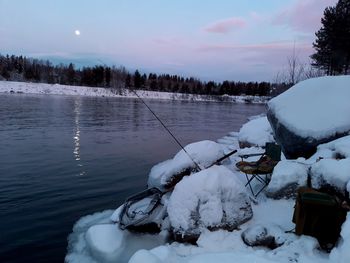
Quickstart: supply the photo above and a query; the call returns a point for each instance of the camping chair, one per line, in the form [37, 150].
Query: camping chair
[262, 169]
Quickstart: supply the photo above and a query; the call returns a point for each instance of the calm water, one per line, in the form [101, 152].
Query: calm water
[65, 157]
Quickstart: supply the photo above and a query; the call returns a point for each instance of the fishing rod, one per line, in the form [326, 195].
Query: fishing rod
[166, 128]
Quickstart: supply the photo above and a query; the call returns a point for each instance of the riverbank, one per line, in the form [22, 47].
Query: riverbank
[213, 216]
[56, 89]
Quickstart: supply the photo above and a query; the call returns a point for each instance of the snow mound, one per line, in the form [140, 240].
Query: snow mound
[166, 174]
[96, 239]
[339, 148]
[305, 107]
[213, 198]
[331, 171]
[287, 177]
[341, 254]
[256, 132]
[266, 236]
[106, 241]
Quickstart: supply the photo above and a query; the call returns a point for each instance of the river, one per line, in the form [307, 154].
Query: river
[63, 157]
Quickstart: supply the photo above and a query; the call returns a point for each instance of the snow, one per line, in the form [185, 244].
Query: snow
[204, 153]
[106, 241]
[144, 256]
[256, 132]
[115, 216]
[331, 164]
[225, 246]
[214, 192]
[331, 171]
[340, 147]
[287, 172]
[56, 89]
[326, 114]
[341, 254]
[95, 239]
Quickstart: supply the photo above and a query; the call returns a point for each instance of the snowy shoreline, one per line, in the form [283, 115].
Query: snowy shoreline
[9, 87]
[200, 205]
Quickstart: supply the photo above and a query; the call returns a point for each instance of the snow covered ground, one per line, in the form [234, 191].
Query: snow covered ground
[96, 238]
[56, 89]
[200, 202]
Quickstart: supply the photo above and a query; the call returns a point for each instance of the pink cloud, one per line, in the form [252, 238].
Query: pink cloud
[273, 54]
[303, 15]
[274, 46]
[226, 25]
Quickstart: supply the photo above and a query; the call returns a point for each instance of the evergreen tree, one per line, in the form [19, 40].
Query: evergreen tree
[71, 74]
[137, 79]
[128, 81]
[332, 43]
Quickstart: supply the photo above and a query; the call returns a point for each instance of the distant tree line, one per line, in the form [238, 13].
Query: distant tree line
[21, 68]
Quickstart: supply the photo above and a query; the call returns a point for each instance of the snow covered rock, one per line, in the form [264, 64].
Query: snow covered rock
[167, 174]
[106, 241]
[331, 172]
[312, 112]
[256, 132]
[259, 235]
[211, 199]
[286, 178]
[337, 149]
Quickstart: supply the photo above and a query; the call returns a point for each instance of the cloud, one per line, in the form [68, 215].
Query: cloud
[303, 15]
[273, 46]
[268, 57]
[226, 25]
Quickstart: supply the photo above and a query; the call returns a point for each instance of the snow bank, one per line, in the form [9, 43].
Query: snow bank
[204, 153]
[56, 89]
[225, 246]
[209, 199]
[106, 242]
[206, 200]
[96, 239]
[331, 164]
[339, 148]
[331, 171]
[315, 108]
[341, 254]
[287, 176]
[256, 132]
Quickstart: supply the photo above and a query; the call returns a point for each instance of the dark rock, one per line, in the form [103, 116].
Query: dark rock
[293, 145]
[286, 192]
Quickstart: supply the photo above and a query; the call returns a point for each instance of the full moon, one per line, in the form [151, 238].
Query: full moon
[77, 32]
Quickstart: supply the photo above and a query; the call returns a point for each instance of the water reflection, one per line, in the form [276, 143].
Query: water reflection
[76, 137]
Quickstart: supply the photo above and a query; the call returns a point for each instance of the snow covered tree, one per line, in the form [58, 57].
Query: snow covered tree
[332, 43]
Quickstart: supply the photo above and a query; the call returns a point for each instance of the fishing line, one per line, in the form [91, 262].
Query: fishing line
[172, 135]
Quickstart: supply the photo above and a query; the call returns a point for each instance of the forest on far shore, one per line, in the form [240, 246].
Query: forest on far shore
[21, 68]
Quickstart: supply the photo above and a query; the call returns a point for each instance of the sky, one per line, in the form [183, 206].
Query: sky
[217, 40]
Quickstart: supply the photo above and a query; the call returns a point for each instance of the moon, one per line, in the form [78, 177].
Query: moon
[77, 32]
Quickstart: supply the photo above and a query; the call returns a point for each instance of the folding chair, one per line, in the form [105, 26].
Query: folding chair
[262, 169]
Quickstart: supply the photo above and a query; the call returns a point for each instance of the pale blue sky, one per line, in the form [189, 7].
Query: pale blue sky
[223, 39]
